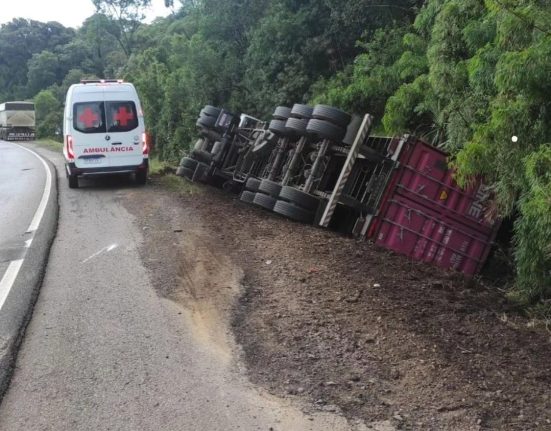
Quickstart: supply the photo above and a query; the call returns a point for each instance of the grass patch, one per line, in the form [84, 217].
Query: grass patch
[158, 167]
[50, 144]
[178, 185]
[541, 314]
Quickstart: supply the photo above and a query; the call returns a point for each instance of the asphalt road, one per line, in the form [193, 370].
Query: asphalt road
[104, 352]
[28, 219]
[22, 180]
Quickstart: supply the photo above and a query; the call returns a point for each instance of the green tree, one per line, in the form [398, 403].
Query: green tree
[126, 17]
[374, 76]
[488, 79]
[19, 40]
[49, 115]
[44, 71]
[96, 38]
[280, 59]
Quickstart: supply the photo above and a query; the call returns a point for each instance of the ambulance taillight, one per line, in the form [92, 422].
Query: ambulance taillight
[145, 145]
[69, 148]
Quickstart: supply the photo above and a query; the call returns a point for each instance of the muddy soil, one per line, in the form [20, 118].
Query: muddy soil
[347, 326]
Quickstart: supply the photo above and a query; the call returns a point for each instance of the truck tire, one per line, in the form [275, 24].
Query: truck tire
[201, 156]
[252, 184]
[301, 111]
[247, 197]
[278, 127]
[281, 113]
[297, 125]
[264, 201]
[293, 212]
[199, 144]
[186, 172]
[73, 181]
[188, 162]
[270, 188]
[206, 121]
[352, 130]
[211, 111]
[325, 130]
[331, 114]
[200, 173]
[182, 171]
[218, 148]
[299, 198]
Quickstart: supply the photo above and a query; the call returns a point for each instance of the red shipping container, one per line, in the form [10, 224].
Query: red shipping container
[425, 215]
[424, 235]
[424, 175]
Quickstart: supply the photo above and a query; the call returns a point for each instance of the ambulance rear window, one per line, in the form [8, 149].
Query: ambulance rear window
[89, 117]
[121, 116]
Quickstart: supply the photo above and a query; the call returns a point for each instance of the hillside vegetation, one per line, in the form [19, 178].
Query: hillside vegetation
[466, 75]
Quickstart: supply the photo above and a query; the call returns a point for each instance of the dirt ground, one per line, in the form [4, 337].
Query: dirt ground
[343, 325]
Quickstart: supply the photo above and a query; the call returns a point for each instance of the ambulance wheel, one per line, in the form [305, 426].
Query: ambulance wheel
[73, 181]
[141, 178]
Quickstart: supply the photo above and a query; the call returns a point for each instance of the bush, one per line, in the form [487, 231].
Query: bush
[49, 115]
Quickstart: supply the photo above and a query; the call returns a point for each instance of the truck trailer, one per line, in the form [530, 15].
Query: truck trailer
[320, 165]
[17, 121]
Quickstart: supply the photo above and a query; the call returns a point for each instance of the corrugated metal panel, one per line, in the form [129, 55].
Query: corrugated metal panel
[424, 235]
[425, 215]
[424, 176]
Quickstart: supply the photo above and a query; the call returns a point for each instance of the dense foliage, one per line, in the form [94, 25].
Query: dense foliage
[467, 75]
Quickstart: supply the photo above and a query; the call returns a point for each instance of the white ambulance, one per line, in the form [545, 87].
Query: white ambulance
[104, 131]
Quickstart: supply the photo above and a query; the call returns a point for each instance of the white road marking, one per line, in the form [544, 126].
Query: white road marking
[9, 278]
[15, 266]
[45, 195]
[103, 250]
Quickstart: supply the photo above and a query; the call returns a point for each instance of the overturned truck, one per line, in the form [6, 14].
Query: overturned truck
[320, 165]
